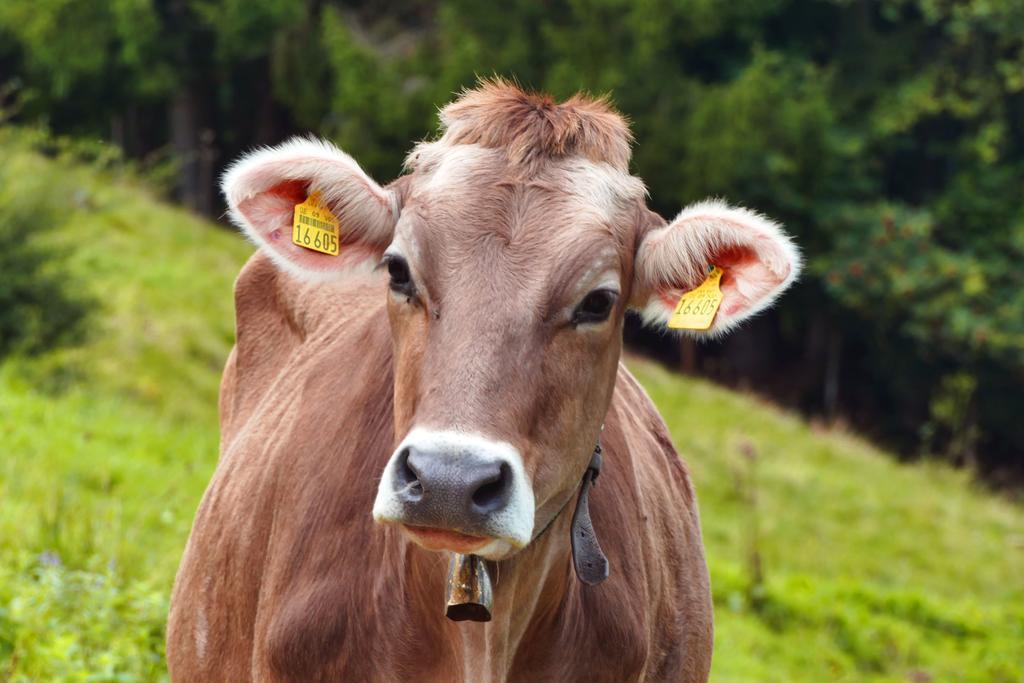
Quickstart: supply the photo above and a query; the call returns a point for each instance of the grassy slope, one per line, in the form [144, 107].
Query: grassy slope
[874, 570]
[107, 448]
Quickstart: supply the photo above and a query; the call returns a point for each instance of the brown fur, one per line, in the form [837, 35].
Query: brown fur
[287, 578]
[532, 126]
[290, 579]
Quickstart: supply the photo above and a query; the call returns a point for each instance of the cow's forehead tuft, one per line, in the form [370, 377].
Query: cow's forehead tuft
[532, 127]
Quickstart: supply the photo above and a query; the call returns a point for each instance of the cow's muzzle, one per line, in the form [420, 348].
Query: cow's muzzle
[457, 492]
[434, 487]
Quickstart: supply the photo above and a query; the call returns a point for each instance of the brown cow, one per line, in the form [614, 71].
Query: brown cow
[452, 403]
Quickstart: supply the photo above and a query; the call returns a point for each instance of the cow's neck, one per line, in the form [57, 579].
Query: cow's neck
[530, 590]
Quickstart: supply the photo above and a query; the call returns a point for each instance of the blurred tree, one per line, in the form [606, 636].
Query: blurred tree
[40, 308]
[887, 135]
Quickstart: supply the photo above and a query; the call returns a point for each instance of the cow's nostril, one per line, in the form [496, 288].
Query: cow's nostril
[407, 477]
[493, 493]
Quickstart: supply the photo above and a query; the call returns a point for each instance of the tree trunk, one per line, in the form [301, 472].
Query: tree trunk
[185, 143]
[688, 354]
[830, 393]
[207, 169]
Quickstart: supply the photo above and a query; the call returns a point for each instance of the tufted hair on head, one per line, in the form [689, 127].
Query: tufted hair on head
[532, 127]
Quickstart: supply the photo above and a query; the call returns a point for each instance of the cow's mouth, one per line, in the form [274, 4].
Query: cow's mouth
[436, 539]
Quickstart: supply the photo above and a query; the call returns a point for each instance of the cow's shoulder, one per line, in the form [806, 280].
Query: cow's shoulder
[646, 517]
[306, 417]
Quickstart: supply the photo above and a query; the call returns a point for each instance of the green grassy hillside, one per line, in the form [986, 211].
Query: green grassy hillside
[871, 570]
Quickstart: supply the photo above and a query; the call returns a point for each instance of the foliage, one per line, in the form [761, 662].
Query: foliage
[888, 136]
[75, 625]
[100, 480]
[39, 306]
[872, 570]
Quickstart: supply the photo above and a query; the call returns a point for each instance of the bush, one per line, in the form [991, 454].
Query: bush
[40, 307]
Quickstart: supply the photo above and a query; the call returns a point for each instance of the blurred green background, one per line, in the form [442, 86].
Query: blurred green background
[888, 136]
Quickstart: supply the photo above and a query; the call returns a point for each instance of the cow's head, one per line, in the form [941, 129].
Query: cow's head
[512, 247]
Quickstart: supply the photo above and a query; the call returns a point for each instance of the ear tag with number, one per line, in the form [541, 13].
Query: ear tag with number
[696, 309]
[315, 227]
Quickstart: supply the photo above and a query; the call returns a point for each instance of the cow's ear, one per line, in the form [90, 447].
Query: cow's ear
[757, 258]
[263, 188]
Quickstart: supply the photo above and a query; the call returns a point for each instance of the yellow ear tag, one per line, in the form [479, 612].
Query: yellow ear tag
[696, 309]
[315, 227]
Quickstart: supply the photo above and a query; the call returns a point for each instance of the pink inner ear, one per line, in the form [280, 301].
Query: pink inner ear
[295, 191]
[284, 195]
[670, 297]
[746, 280]
[272, 212]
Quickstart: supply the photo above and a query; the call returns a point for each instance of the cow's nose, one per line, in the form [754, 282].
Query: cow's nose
[457, 489]
[444, 486]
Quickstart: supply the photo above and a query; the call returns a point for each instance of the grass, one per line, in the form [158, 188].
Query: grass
[107, 447]
[873, 570]
[870, 570]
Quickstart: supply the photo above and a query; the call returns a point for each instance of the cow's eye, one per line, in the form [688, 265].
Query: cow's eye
[595, 307]
[401, 279]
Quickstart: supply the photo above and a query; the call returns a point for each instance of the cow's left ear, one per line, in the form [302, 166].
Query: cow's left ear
[758, 259]
[263, 188]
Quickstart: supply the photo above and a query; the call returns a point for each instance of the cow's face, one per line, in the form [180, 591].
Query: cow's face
[507, 284]
[506, 300]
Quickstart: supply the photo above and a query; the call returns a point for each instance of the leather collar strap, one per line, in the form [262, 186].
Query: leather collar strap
[587, 557]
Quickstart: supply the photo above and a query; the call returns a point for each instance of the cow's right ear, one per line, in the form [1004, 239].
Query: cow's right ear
[263, 188]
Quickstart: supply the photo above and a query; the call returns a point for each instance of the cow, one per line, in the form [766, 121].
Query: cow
[449, 384]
